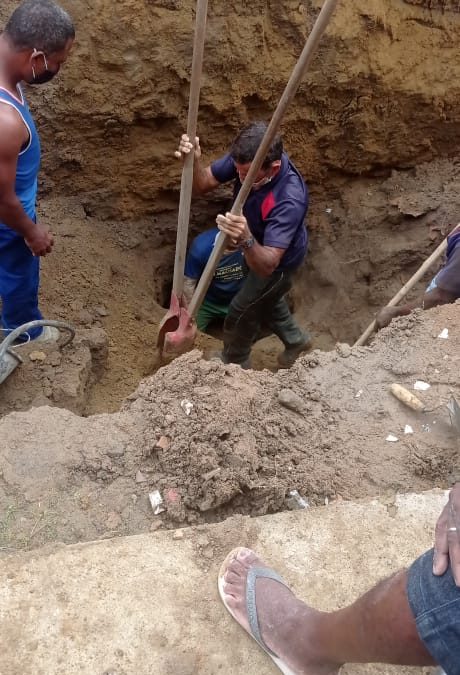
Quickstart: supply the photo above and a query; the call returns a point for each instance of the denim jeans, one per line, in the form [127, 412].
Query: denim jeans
[435, 602]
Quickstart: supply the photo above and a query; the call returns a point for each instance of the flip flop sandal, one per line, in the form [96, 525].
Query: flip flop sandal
[251, 607]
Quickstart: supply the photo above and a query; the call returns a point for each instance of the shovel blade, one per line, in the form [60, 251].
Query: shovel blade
[180, 340]
[170, 321]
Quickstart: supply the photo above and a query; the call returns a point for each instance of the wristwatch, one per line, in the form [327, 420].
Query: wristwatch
[247, 243]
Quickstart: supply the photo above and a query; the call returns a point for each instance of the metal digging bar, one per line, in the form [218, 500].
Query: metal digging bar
[10, 360]
[174, 341]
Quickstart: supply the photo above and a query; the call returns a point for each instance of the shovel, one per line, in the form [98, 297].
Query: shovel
[177, 317]
[181, 340]
[437, 253]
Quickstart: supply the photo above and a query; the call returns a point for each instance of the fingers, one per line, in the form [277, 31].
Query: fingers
[441, 546]
[233, 226]
[185, 146]
[447, 538]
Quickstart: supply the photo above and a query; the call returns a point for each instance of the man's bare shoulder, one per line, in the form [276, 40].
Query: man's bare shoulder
[12, 129]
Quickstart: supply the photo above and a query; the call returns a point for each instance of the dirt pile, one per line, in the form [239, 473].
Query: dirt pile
[373, 98]
[248, 440]
[54, 377]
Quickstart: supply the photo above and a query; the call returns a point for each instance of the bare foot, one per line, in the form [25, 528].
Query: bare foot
[287, 625]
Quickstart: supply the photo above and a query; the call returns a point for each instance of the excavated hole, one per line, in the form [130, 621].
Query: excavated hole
[365, 242]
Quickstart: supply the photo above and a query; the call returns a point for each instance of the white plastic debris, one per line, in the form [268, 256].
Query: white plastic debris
[187, 406]
[408, 429]
[359, 393]
[420, 385]
[392, 439]
[156, 501]
[303, 504]
[328, 210]
[326, 501]
[444, 334]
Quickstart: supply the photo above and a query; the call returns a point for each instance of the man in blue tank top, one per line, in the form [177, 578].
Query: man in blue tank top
[272, 235]
[35, 43]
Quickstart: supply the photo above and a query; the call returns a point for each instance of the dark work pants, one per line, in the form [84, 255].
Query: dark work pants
[260, 304]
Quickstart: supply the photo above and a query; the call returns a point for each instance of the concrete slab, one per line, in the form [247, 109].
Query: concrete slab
[148, 604]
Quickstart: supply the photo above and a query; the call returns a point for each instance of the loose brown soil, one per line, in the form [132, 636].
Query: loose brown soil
[373, 129]
[250, 438]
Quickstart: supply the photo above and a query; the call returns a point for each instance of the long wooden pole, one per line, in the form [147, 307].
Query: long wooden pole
[405, 289]
[187, 171]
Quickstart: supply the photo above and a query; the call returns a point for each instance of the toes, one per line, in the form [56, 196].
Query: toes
[233, 579]
[238, 568]
[248, 558]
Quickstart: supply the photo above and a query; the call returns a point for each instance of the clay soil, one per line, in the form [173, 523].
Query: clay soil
[250, 438]
[366, 238]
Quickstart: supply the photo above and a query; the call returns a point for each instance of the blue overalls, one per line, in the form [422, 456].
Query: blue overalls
[19, 269]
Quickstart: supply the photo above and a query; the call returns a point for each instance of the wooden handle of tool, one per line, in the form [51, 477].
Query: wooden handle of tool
[405, 289]
[290, 91]
[187, 171]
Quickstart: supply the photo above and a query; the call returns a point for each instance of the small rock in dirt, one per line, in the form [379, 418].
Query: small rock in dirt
[37, 356]
[289, 400]
[343, 349]
[140, 478]
[55, 359]
[211, 474]
[85, 317]
[178, 535]
[202, 391]
[116, 451]
[163, 443]
[170, 419]
[156, 525]
[113, 521]
[101, 311]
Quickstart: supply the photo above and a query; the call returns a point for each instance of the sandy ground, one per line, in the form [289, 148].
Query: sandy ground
[250, 438]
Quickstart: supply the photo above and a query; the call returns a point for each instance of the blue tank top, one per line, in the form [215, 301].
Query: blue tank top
[28, 164]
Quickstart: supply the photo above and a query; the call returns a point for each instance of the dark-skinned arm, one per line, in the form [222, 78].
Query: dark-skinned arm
[431, 299]
[12, 213]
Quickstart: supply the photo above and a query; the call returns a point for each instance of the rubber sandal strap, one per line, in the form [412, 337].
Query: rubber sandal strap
[251, 606]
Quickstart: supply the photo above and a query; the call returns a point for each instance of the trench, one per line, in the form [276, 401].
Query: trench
[367, 237]
[365, 242]
[379, 154]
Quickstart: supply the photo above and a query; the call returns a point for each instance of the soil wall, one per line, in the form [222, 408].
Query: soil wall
[382, 92]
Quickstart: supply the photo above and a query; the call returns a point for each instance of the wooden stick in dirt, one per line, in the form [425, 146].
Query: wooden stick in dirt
[405, 289]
